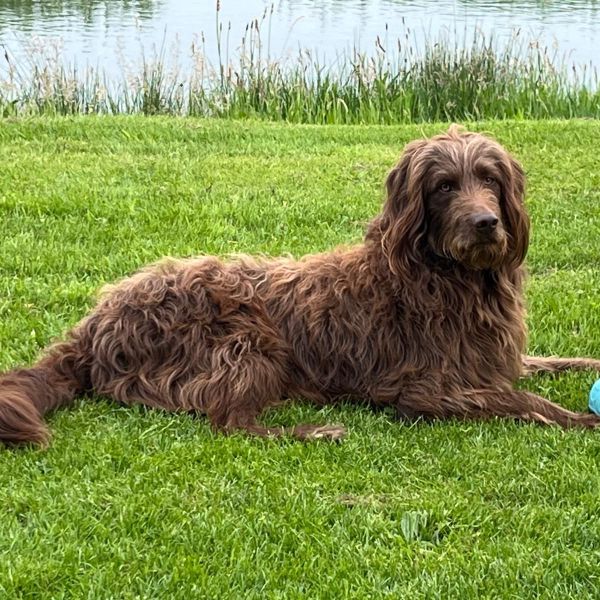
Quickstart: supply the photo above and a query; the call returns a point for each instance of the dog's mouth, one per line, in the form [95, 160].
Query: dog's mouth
[475, 250]
[485, 244]
[484, 254]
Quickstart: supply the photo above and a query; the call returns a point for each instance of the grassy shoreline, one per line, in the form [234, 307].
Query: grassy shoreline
[134, 503]
[397, 82]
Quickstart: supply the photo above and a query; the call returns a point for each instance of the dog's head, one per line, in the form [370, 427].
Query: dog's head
[459, 196]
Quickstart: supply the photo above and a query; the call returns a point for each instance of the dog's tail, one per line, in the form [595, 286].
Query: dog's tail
[26, 395]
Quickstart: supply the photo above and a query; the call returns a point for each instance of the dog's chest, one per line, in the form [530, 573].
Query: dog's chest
[483, 337]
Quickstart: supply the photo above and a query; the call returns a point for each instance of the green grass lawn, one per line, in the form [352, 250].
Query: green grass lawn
[132, 503]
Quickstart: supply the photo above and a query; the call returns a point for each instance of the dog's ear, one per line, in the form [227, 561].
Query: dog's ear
[401, 225]
[515, 214]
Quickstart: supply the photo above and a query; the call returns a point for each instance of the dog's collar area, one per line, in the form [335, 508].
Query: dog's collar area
[439, 262]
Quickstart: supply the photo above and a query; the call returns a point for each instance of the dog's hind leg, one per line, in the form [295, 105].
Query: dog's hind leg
[246, 379]
[554, 364]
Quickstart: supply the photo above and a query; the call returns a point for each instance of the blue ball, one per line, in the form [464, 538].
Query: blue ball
[595, 398]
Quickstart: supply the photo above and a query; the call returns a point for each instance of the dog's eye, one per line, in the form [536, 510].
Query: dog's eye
[446, 187]
[489, 180]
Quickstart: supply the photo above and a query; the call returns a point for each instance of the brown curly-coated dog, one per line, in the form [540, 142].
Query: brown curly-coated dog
[426, 316]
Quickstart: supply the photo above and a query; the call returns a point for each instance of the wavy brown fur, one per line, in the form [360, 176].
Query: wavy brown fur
[425, 316]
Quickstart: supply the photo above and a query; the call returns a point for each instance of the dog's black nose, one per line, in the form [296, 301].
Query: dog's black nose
[484, 222]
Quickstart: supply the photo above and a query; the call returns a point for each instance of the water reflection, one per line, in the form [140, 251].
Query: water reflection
[543, 6]
[90, 30]
[30, 15]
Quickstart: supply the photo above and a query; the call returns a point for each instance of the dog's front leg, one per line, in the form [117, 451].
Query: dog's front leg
[485, 404]
[554, 364]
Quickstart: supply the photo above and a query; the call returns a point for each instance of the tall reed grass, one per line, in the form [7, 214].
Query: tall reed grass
[395, 83]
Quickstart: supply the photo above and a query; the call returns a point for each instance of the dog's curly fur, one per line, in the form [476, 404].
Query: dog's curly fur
[426, 316]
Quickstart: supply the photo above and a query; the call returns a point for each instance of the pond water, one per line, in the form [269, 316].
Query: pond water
[109, 33]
